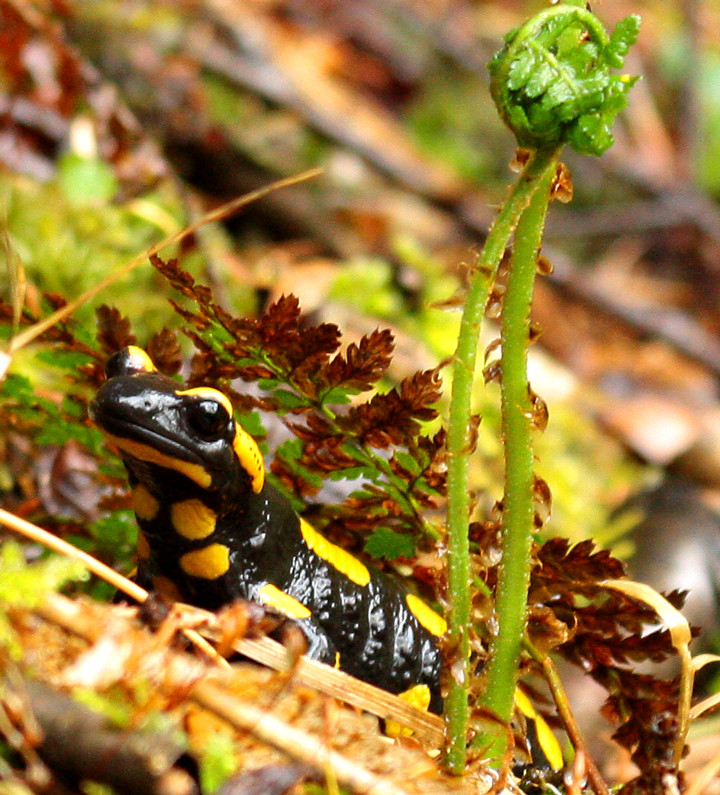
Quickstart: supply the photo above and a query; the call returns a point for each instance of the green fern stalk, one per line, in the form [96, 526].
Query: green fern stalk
[459, 421]
[552, 84]
[517, 426]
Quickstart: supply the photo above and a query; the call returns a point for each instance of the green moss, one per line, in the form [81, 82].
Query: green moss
[66, 245]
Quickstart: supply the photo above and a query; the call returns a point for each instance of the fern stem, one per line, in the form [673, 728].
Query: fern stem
[459, 574]
[517, 426]
[552, 677]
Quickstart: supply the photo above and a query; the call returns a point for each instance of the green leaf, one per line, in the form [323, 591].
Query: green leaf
[621, 39]
[407, 462]
[361, 494]
[17, 387]
[386, 543]
[521, 69]
[591, 135]
[423, 486]
[541, 79]
[218, 761]
[266, 384]
[63, 359]
[289, 452]
[338, 396]
[251, 422]
[116, 534]
[354, 473]
[357, 454]
[552, 82]
[62, 430]
[289, 400]
[18, 390]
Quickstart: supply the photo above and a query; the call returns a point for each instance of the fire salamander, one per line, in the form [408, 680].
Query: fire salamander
[213, 529]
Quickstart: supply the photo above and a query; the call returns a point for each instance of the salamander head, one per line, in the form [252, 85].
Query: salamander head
[158, 426]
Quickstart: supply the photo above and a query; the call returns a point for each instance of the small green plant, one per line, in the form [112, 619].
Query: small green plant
[25, 585]
[552, 84]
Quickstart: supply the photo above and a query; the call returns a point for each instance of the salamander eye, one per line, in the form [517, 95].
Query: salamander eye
[208, 418]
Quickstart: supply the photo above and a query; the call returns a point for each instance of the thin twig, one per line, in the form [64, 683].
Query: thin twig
[571, 725]
[132, 589]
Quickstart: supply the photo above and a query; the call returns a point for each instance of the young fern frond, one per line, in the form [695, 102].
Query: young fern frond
[307, 378]
[552, 81]
[552, 84]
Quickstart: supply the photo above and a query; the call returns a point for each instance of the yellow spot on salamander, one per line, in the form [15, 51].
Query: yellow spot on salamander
[144, 452]
[210, 562]
[432, 621]
[143, 503]
[192, 519]
[339, 558]
[141, 361]
[166, 588]
[418, 696]
[283, 602]
[548, 741]
[250, 458]
[143, 548]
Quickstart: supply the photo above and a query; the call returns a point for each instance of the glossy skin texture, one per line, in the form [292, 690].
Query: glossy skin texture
[216, 530]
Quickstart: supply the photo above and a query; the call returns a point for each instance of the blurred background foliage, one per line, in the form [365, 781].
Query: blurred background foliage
[122, 121]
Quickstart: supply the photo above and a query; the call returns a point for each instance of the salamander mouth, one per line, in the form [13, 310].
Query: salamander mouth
[133, 431]
[137, 441]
